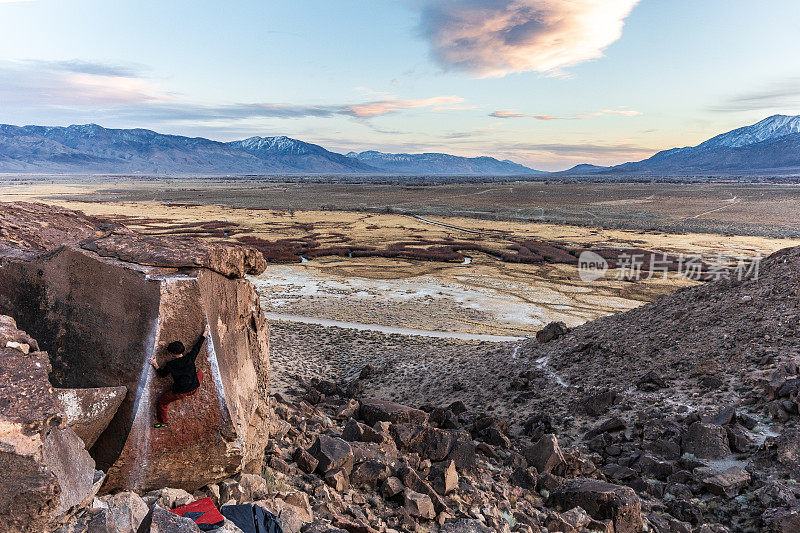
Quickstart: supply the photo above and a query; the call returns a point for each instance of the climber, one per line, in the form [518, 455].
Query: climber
[186, 379]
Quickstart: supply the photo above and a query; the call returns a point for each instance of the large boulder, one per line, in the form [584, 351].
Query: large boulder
[551, 331]
[706, 441]
[103, 300]
[545, 456]
[89, 411]
[126, 509]
[159, 520]
[374, 411]
[332, 453]
[44, 467]
[781, 455]
[603, 501]
[429, 442]
[419, 505]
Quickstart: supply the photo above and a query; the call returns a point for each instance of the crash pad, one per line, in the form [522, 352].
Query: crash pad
[204, 513]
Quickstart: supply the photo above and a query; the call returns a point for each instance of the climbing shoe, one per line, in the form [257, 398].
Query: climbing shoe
[160, 425]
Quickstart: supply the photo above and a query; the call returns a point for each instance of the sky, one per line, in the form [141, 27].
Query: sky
[546, 83]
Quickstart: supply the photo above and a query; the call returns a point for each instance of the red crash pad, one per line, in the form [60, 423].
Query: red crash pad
[203, 512]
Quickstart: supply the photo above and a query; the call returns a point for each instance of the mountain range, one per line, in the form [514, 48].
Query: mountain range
[772, 145]
[769, 146]
[93, 149]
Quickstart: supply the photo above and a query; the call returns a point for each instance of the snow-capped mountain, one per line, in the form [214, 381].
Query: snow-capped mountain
[88, 149]
[441, 164]
[769, 129]
[299, 155]
[93, 149]
[769, 146]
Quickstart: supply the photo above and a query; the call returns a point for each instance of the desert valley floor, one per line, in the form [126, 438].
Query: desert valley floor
[331, 314]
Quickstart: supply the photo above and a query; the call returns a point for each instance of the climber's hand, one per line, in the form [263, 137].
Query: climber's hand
[207, 330]
[154, 363]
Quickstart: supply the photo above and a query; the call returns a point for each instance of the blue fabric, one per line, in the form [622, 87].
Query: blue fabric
[252, 518]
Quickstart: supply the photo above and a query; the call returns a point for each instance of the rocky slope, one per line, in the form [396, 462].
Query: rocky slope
[690, 400]
[339, 465]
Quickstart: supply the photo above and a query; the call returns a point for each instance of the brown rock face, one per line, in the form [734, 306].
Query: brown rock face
[230, 261]
[29, 229]
[103, 300]
[602, 501]
[44, 466]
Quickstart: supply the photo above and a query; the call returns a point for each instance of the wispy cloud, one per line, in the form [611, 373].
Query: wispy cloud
[584, 149]
[74, 83]
[513, 113]
[382, 107]
[76, 66]
[123, 91]
[782, 96]
[492, 38]
[624, 112]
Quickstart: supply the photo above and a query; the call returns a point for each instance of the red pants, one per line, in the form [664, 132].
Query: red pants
[168, 397]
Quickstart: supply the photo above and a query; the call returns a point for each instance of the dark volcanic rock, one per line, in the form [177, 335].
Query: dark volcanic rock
[706, 441]
[545, 455]
[332, 452]
[373, 411]
[727, 483]
[305, 461]
[429, 442]
[551, 331]
[369, 472]
[781, 454]
[602, 501]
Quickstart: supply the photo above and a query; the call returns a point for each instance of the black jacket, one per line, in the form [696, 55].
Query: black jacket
[183, 370]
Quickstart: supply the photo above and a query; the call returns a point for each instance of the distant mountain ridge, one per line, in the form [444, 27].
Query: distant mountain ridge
[442, 164]
[91, 149]
[771, 145]
[94, 149]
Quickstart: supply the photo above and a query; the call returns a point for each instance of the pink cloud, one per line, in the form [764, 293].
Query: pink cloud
[382, 107]
[74, 84]
[493, 38]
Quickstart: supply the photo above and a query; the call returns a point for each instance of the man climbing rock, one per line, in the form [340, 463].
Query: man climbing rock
[186, 379]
